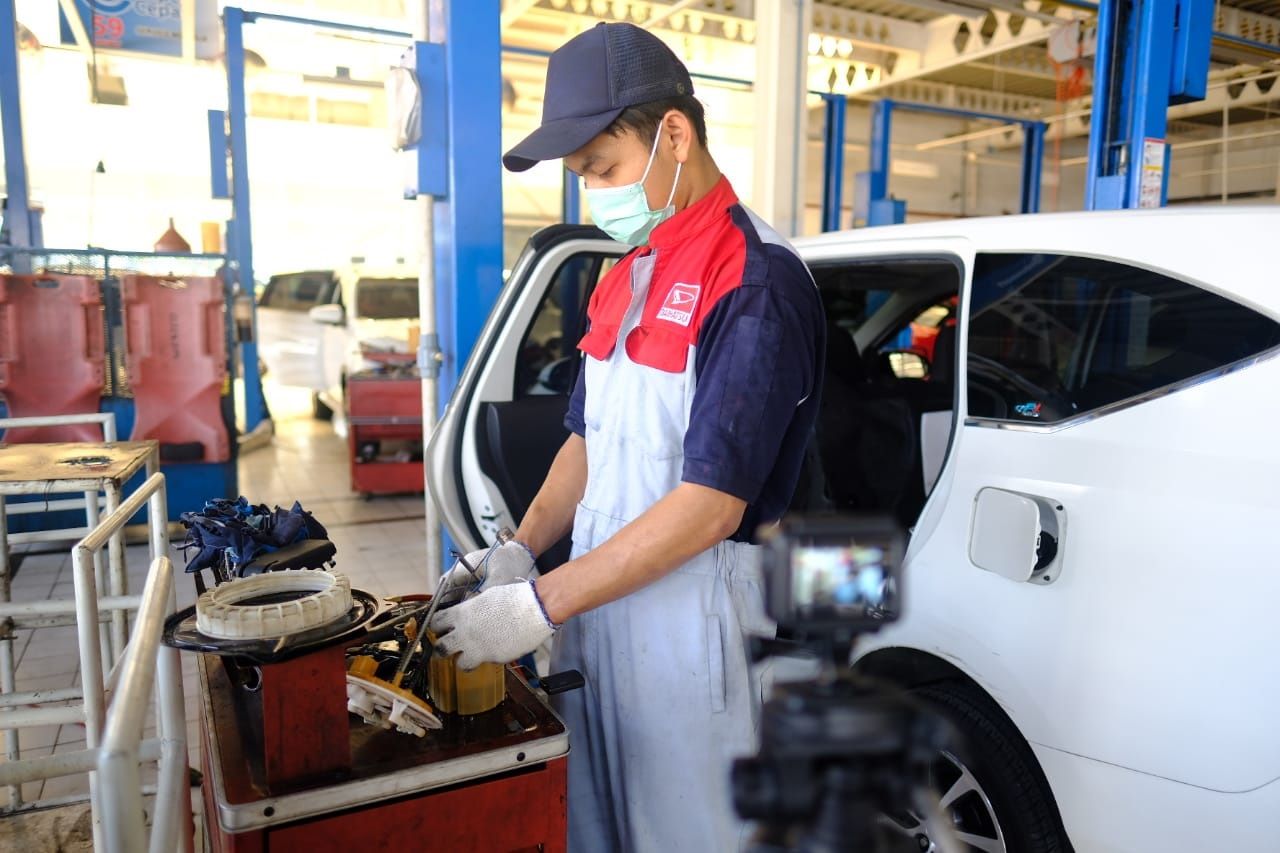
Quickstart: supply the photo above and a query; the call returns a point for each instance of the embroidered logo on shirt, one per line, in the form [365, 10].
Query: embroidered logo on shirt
[680, 302]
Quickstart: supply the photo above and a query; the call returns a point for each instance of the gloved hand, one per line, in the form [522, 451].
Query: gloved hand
[496, 626]
[509, 562]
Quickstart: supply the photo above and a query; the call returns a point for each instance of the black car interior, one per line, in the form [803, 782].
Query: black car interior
[866, 454]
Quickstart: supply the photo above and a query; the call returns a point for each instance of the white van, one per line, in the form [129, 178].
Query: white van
[316, 328]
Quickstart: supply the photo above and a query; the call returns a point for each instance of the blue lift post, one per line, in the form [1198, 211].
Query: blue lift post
[835, 107]
[570, 201]
[1151, 53]
[240, 229]
[468, 222]
[872, 201]
[17, 213]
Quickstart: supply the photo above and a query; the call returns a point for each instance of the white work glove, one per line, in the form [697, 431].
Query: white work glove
[496, 626]
[510, 562]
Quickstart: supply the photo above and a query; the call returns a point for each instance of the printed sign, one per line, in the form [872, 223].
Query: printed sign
[1151, 186]
[145, 26]
[680, 302]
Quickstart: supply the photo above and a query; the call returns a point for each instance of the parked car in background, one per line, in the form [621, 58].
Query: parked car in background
[315, 328]
[1086, 460]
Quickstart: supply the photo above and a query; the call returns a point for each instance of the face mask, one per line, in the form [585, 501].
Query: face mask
[623, 212]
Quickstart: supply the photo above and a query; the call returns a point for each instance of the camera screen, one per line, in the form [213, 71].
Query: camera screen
[847, 581]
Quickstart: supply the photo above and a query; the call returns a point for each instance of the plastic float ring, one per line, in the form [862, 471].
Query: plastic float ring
[273, 605]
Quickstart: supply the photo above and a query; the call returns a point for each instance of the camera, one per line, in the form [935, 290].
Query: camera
[839, 756]
[832, 576]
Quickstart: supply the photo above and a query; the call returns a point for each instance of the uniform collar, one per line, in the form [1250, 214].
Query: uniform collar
[696, 217]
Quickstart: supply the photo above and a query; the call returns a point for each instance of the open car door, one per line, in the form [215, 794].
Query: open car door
[505, 422]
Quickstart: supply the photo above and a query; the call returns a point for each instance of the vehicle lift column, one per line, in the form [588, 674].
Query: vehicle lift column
[1151, 54]
[872, 202]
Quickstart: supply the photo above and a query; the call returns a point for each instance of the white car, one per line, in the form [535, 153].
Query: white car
[315, 328]
[1088, 467]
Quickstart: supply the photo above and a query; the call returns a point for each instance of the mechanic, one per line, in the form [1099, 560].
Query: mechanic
[701, 372]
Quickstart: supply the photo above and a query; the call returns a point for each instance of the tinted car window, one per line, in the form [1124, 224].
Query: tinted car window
[387, 298]
[548, 361]
[297, 291]
[1054, 336]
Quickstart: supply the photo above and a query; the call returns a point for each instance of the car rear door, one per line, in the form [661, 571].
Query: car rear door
[289, 341]
[505, 420]
[1092, 559]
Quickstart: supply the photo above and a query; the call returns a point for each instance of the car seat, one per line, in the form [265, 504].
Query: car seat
[866, 437]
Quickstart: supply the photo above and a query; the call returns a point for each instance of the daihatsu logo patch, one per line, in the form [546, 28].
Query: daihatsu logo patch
[680, 302]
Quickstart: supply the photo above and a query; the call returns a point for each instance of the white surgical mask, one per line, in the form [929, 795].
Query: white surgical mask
[623, 212]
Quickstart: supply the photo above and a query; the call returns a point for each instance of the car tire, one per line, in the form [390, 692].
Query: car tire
[1003, 777]
[319, 409]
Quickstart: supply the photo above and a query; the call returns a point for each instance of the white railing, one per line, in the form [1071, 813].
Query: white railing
[146, 664]
[144, 661]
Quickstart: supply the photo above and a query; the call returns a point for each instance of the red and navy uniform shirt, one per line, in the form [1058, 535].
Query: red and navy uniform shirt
[725, 282]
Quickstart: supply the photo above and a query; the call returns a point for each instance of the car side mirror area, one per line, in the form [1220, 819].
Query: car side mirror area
[904, 364]
[329, 315]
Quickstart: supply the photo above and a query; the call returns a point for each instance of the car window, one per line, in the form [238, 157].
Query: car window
[1054, 336]
[547, 361]
[387, 298]
[297, 291]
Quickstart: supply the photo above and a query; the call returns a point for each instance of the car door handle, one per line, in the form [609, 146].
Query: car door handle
[1016, 535]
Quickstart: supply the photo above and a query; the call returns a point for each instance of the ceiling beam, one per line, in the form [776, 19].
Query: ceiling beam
[952, 41]
[512, 11]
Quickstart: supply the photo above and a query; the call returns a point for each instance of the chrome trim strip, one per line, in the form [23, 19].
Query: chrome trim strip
[1119, 405]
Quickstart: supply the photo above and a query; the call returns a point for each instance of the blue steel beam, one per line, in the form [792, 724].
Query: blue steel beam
[877, 208]
[570, 200]
[468, 224]
[835, 107]
[1032, 163]
[17, 214]
[240, 236]
[218, 186]
[1149, 53]
[254, 17]
[881, 127]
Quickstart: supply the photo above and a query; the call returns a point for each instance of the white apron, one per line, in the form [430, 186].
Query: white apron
[670, 697]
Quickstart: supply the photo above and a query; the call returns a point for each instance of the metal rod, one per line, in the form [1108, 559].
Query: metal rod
[65, 606]
[119, 793]
[65, 764]
[36, 697]
[93, 517]
[41, 507]
[254, 17]
[31, 536]
[116, 521]
[17, 192]
[25, 718]
[107, 420]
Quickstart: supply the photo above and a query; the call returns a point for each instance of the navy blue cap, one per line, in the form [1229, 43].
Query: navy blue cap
[591, 79]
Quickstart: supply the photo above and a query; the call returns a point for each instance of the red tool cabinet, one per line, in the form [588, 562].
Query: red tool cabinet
[384, 412]
[494, 783]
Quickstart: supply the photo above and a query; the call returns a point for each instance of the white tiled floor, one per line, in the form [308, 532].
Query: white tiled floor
[380, 545]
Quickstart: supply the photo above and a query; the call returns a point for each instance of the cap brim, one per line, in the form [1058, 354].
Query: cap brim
[557, 139]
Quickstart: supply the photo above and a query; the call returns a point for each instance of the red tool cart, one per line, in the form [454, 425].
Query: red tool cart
[286, 768]
[384, 418]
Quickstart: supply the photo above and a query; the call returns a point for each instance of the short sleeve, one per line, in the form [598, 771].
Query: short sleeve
[575, 418]
[756, 362]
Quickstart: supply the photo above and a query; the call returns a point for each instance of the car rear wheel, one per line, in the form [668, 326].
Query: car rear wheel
[319, 409]
[991, 789]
